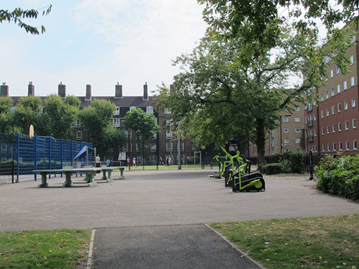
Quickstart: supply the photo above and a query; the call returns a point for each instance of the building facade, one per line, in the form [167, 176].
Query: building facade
[331, 124]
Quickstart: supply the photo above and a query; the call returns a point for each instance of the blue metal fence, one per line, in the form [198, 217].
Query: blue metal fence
[37, 152]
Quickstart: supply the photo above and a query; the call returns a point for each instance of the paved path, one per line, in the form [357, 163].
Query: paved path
[159, 198]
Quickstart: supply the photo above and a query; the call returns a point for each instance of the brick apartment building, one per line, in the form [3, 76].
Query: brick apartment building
[330, 126]
[164, 145]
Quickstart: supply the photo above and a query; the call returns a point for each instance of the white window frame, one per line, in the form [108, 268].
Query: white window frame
[331, 73]
[285, 119]
[327, 112]
[339, 126]
[340, 146]
[346, 125]
[333, 128]
[149, 109]
[354, 123]
[333, 92]
[116, 122]
[355, 144]
[77, 123]
[334, 146]
[297, 130]
[297, 119]
[333, 110]
[345, 85]
[339, 107]
[169, 146]
[79, 135]
[347, 145]
[338, 88]
[345, 105]
[353, 101]
[132, 108]
[297, 108]
[286, 130]
[352, 81]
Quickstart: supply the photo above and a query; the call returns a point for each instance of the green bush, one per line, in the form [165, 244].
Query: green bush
[339, 176]
[273, 168]
[292, 162]
[262, 168]
[190, 160]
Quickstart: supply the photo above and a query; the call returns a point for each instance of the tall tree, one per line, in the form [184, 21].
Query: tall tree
[143, 124]
[222, 92]
[6, 121]
[18, 14]
[58, 117]
[97, 118]
[253, 19]
[27, 112]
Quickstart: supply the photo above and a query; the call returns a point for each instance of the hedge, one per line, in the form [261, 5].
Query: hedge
[339, 176]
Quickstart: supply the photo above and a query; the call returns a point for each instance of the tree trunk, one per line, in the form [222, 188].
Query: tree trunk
[261, 140]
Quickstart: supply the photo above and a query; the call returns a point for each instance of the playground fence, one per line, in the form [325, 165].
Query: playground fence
[21, 154]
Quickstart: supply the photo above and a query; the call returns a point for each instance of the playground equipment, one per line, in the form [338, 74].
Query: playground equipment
[237, 175]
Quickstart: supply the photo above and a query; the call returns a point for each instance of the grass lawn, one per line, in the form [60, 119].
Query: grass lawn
[318, 242]
[44, 249]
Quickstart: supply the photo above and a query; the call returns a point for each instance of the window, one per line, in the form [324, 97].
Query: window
[3, 148]
[323, 147]
[297, 119]
[77, 123]
[310, 135]
[315, 116]
[315, 132]
[182, 146]
[78, 135]
[310, 120]
[326, 95]
[334, 146]
[149, 109]
[344, 85]
[339, 126]
[351, 59]
[167, 111]
[333, 110]
[137, 148]
[297, 141]
[272, 143]
[321, 97]
[353, 102]
[117, 111]
[347, 145]
[297, 130]
[285, 119]
[153, 158]
[354, 123]
[322, 130]
[338, 69]
[340, 146]
[153, 147]
[352, 81]
[333, 128]
[354, 144]
[297, 108]
[331, 73]
[339, 107]
[322, 113]
[328, 147]
[306, 120]
[169, 146]
[328, 129]
[286, 130]
[168, 135]
[338, 88]
[345, 105]
[327, 112]
[315, 148]
[332, 91]
[116, 122]
[286, 140]
[346, 125]
[132, 108]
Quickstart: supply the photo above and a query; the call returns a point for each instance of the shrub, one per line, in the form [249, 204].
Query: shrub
[273, 168]
[339, 176]
[292, 162]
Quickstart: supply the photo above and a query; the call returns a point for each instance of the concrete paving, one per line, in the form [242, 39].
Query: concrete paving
[176, 202]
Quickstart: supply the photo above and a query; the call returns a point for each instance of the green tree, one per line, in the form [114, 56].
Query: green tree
[6, 121]
[143, 124]
[59, 116]
[216, 97]
[18, 15]
[96, 119]
[259, 21]
[27, 112]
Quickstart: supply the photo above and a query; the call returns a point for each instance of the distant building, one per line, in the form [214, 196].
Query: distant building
[165, 145]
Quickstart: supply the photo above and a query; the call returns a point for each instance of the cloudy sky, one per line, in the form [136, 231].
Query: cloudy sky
[98, 43]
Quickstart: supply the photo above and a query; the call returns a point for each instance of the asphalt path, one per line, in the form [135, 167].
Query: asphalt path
[157, 205]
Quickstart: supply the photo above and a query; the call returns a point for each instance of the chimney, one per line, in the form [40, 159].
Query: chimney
[145, 92]
[62, 90]
[4, 90]
[31, 89]
[118, 91]
[88, 92]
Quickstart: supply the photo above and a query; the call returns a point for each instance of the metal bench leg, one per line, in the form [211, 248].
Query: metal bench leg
[43, 181]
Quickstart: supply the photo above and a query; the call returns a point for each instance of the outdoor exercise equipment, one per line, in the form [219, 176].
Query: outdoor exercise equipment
[236, 173]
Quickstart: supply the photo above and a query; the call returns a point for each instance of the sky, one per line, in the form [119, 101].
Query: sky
[98, 43]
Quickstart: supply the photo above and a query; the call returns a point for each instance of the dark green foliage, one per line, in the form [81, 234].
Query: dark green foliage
[273, 168]
[293, 162]
[339, 176]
